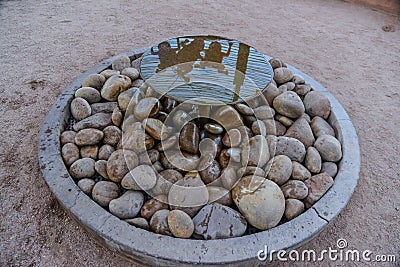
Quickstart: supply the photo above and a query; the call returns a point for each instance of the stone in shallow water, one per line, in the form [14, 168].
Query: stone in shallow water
[70, 153]
[80, 109]
[215, 221]
[317, 185]
[97, 121]
[103, 192]
[289, 104]
[159, 222]
[189, 138]
[148, 107]
[295, 189]
[329, 148]
[88, 136]
[94, 80]
[294, 208]
[82, 168]
[155, 128]
[128, 205]
[232, 138]
[279, 169]
[119, 164]
[313, 160]
[115, 85]
[211, 173]
[290, 147]
[213, 128]
[317, 104]
[301, 130]
[142, 177]
[228, 117]
[260, 200]
[180, 224]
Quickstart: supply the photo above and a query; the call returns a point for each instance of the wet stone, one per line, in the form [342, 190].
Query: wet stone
[147, 108]
[216, 221]
[232, 138]
[189, 138]
[155, 128]
[211, 173]
[213, 128]
[119, 164]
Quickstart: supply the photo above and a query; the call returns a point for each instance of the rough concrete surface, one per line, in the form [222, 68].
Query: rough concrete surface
[44, 45]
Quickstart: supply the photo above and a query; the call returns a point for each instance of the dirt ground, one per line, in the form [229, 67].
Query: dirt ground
[45, 44]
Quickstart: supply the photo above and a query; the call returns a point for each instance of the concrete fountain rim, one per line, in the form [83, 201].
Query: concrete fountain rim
[147, 247]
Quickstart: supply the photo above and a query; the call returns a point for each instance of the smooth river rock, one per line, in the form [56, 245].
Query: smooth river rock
[300, 172]
[313, 160]
[317, 185]
[115, 85]
[301, 130]
[255, 152]
[215, 221]
[142, 177]
[82, 168]
[80, 109]
[69, 153]
[91, 95]
[159, 222]
[148, 107]
[159, 202]
[180, 224]
[289, 104]
[121, 63]
[128, 205]
[88, 136]
[294, 189]
[189, 138]
[104, 191]
[97, 121]
[329, 148]
[119, 164]
[94, 80]
[282, 75]
[279, 169]
[290, 147]
[260, 200]
[317, 104]
[294, 208]
[320, 127]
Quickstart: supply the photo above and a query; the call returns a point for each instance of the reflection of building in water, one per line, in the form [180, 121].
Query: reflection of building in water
[241, 67]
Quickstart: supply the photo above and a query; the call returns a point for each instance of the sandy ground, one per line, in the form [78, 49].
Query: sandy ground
[45, 44]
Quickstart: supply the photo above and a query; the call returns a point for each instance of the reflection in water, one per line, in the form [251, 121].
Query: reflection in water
[207, 67]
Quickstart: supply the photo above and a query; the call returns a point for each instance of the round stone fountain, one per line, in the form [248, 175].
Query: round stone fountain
[227, 89]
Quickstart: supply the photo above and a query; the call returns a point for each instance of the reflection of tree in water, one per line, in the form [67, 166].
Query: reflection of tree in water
[189, 52]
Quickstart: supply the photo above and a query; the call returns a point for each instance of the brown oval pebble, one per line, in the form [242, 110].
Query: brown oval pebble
[67, 137]
[119, 164]
[89, 152]
[103, 192]
[211, 173]
[159, 222]
[147, 108]
[70, 153]
[180, 224]
[94, 80]
[232, 138]
[159, 202]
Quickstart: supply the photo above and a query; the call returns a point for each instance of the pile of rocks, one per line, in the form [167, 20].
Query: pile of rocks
[200, 172]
